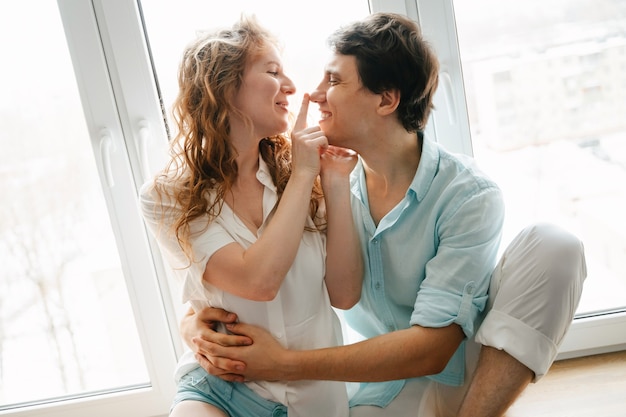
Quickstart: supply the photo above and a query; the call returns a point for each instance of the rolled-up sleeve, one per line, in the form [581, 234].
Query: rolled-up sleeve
[456, 283]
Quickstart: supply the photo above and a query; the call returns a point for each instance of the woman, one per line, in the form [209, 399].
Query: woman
[239, 214]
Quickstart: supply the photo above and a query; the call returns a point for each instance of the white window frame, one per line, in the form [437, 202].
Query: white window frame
[123, 118]
[125, 122]
[449, 125]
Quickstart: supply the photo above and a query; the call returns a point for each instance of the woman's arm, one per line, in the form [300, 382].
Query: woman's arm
[257, 272]
[344, 260]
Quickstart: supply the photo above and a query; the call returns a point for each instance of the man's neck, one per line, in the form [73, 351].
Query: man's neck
[390, 167]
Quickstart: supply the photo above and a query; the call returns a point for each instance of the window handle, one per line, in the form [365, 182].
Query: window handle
[446, 84]
[106, 148]
[143, 142]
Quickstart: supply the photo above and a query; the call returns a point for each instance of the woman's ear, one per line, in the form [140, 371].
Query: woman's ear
[389, 101]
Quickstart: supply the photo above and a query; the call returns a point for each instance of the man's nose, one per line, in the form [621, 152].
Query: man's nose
[318, 95]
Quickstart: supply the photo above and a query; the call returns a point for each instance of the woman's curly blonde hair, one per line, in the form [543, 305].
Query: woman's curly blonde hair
[203, 158]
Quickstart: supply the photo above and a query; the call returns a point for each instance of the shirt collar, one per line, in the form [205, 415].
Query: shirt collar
[426, 170]
[264, 176]
[357, 181]
[423, 179]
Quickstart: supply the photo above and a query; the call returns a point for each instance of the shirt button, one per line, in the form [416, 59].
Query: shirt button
[470, 289]
[377, 286]
[375, 241]
[278, 335]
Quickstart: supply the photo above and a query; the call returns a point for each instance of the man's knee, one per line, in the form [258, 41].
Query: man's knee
[560, 253]
[541, 281]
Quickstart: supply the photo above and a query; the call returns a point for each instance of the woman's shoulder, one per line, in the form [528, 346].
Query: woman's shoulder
[159, 193]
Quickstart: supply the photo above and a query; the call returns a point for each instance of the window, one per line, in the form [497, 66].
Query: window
[562, 158]
[65, 309]
[535, 92]
[85, 302]
[81, 312]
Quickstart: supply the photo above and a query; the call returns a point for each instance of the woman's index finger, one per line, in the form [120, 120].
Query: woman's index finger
[302, 115]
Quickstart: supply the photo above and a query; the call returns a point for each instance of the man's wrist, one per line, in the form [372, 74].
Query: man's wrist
[291, 366]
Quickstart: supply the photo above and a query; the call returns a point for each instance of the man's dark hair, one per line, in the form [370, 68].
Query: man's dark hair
[391, 53]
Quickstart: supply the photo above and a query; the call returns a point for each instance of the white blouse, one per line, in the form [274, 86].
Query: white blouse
[300, 317]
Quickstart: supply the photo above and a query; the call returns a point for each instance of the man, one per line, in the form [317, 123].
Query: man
[430, 226]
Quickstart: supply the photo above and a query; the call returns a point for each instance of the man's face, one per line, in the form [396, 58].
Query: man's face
[347, 108]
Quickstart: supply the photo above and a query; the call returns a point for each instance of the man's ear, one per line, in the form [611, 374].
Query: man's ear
[389, 101]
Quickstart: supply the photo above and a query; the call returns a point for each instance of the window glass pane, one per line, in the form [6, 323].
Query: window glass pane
[546, 95]
[65, 317]
[302, 27]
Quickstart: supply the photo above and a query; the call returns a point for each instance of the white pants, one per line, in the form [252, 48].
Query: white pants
[534, 293]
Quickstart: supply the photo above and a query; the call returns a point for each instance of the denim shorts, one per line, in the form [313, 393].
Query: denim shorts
[234, 398]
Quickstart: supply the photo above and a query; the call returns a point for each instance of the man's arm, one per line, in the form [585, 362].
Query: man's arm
[401, 354]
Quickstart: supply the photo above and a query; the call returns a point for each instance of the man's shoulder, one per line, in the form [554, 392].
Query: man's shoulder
[463, 171]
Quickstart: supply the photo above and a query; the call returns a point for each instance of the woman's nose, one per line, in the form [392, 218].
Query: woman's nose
[288, 87]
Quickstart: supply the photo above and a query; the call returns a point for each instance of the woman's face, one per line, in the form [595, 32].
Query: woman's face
[262, 96]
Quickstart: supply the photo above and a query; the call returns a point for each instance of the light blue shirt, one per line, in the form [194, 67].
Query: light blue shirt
[429, 260]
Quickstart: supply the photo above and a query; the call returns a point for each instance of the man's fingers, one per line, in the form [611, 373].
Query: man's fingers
[216, 355]
[217, 371]
[221, 339]
[212, 314]
[232, 378]
[242, 330]
[228, 365]
[304, 109]
[222, 365]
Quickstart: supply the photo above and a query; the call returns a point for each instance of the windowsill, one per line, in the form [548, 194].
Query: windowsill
[580, 387]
